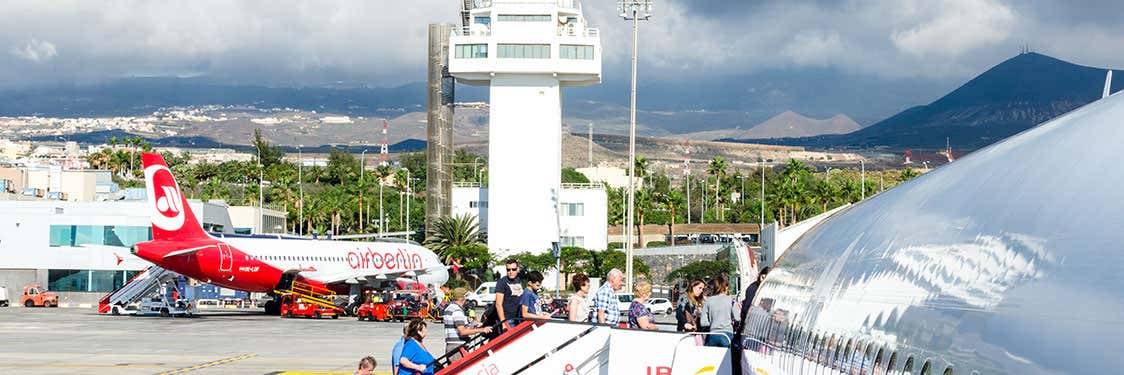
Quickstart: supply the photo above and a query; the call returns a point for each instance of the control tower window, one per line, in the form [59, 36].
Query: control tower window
[483, 20]
[471, 51]
[523, 51]
[524, 18]
[576, 52]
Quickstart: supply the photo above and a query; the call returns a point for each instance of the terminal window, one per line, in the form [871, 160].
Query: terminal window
[109, 235]
[87, 280]
[573, 209]
[471, 51]
[573, 241]
[575, 52]
[524, 18]
[524, 51]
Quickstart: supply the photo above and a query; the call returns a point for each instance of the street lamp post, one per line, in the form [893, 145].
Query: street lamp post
[476, 170]
[632, 10]
[762, 225]
[300, 183]
[862, 166]
[408, 190]
[688, 199]
[261, 192]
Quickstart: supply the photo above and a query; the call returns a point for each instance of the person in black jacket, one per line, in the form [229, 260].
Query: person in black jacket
[751, 291]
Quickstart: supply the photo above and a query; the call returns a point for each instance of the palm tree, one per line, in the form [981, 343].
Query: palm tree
[453, 231]
[641, 166]
[671, 200]
[642, 202]
[717, 169]
[827, 192]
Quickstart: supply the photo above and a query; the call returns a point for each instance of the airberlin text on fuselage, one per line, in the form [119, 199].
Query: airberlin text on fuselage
[371, 259]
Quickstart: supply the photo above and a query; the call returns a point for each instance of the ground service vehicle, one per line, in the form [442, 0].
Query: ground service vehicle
[409, 304]
[483, 296]
[293, 306]
[34, 296]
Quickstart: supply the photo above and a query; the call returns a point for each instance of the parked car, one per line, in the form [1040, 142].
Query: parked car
[34, 296]
[482, 296]
[624, 301]
[660, 306]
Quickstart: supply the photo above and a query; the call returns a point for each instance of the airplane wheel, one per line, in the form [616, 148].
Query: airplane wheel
[317, 315]
[337, 316]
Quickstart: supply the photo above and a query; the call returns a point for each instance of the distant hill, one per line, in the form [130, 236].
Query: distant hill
[788, 124]
[1013, 96]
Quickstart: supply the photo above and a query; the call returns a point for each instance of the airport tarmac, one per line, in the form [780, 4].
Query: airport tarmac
[68, 341]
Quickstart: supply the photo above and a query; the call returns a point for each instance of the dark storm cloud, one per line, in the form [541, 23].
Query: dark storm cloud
[363, 42]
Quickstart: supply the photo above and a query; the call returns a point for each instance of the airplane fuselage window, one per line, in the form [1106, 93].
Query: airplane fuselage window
[908, 369]
[948, 370]
[927, 368]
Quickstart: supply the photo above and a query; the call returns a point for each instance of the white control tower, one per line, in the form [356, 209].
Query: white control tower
[525, 51]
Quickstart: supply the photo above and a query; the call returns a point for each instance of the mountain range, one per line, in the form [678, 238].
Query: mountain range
[1013, 96]
[788, 124]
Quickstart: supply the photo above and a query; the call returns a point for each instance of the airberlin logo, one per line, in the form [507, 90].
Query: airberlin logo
[390, 260]
[164, 198]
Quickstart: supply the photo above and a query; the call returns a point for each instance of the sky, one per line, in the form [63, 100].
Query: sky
[383, 42]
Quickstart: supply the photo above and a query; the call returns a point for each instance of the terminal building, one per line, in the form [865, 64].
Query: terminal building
[582, 218]
[81, 249]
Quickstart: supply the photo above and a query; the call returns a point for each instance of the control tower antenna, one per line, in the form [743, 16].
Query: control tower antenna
[525, 52]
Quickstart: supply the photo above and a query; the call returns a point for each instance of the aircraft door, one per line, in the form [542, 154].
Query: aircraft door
[226, 261]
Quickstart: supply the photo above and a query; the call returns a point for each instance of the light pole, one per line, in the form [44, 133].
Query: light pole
[476, 170]
[362, 163]
[862, 166]
[300, 183]
[688, 198]
[762, 225]
[261, 192]
[632, 10]
[408, 190]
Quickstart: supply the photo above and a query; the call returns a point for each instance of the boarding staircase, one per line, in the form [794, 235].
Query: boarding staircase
[311, 294]
[142, 284]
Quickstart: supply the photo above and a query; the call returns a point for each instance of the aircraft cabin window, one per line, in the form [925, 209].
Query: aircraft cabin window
[868, 359]
[908, 369]
[846, 355]
[893, 361]
[927, 368]
[948, 370]
[878, 362]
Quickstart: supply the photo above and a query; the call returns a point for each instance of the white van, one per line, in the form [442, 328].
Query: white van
[482, 296]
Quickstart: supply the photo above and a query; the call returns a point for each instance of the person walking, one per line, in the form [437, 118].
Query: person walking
[751, 291]
[718, 314]
[415, 358]
[639, 316]
[605, 302]
[458, 329]
[579, 301]
[529, 305]
[508, 293]
[396, 352]
[689, 308]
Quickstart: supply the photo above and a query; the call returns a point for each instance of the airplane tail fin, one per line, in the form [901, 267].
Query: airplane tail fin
[171, 216]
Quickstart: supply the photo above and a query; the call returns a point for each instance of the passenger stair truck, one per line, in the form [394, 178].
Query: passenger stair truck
[143, 284]
[312, 294]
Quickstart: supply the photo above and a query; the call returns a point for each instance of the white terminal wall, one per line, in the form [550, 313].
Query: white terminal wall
[592, 225]
[25, 232]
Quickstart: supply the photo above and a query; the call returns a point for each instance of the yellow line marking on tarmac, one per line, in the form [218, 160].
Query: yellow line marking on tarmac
[317, 373]
[76, 365]
[209, 364]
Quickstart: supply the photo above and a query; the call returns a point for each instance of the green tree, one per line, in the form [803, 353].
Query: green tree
[452, 231]
[908, 174]
[342, 166]
[269, 155]
[705, 270]
[717, 168]
[671, 201]
[572, 176]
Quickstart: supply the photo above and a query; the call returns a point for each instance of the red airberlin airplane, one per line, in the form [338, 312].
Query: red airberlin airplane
[259, 264]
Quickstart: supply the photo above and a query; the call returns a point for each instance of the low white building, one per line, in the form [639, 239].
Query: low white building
[80, 247]
[612, 176]
[583, 217]
[246, 221]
